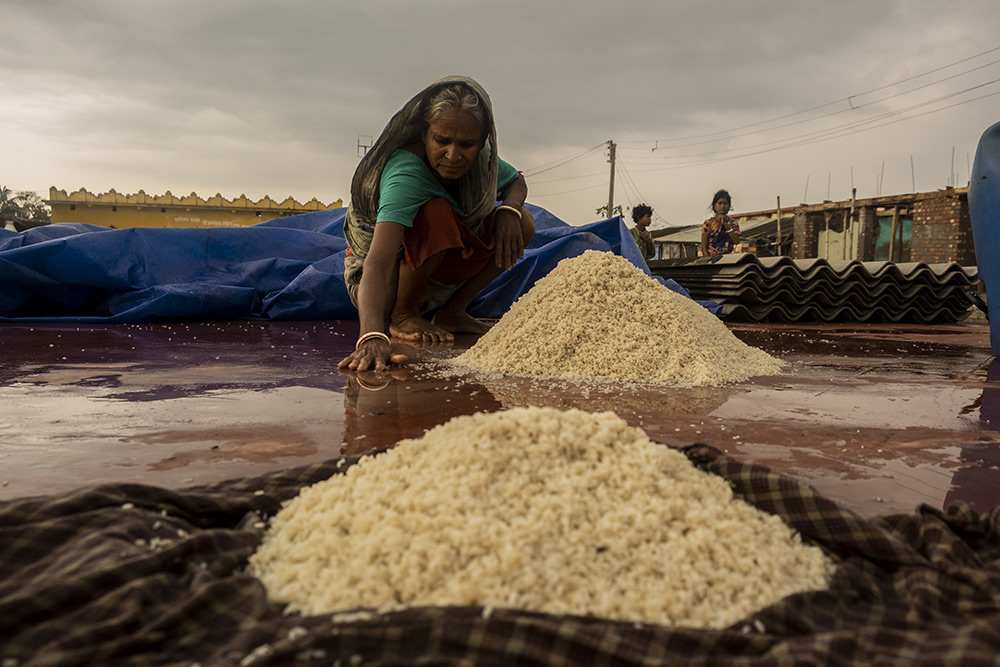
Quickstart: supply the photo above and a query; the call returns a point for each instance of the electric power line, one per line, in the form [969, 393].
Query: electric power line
[827, 115]
[548, 166]
[843, 130]
[846, 129]
[567, 178]
[566, 192]
[839, 101]
[627, 182]
[833, 135]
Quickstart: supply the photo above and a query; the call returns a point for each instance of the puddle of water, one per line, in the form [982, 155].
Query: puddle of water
[857, 406]
[880, 419]
[64, 440]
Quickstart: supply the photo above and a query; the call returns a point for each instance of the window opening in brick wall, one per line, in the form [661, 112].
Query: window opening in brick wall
[901, 246]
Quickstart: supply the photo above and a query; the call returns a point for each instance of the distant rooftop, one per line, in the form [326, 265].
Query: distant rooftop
[140, 198]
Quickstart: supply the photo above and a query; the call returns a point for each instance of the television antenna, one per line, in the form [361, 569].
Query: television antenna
[365, 142]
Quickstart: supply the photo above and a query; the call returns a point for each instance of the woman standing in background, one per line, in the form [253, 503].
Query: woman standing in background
[720, 233]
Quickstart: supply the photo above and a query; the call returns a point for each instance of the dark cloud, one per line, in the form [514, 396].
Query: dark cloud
[265, 97]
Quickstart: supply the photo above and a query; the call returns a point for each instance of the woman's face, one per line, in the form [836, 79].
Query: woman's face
[722, 206]
[452, 144]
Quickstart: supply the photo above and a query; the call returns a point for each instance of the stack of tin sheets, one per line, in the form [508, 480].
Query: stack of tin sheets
[781, 289]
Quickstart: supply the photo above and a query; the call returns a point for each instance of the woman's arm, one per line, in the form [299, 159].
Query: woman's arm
[508, 239]
[373, 292]
[730, 229]
[515, 193]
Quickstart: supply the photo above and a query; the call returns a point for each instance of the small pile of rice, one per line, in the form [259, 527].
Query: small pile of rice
[538, 509]
[599, 317]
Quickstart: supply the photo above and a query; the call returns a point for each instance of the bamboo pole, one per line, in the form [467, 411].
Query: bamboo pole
[901, 240]
[892, 235]
[826, 214]
[849, 241]
[779, 225]
[843, 242]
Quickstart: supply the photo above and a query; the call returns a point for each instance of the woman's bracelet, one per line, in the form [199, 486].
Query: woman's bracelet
[363, 338]
[512, 209]
[371, 387]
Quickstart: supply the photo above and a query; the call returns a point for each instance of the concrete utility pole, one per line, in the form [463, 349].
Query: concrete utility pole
[611, 189]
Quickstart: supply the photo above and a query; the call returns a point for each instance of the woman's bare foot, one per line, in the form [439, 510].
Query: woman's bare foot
[459, 322]
[416, 328]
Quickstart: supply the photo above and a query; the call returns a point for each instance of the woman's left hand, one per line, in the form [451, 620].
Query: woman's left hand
[507, 239]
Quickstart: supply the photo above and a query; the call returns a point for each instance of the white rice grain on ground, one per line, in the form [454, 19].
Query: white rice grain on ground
[565, 512]
[599, 317]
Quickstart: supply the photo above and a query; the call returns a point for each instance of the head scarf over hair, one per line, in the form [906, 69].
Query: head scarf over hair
[477, 188]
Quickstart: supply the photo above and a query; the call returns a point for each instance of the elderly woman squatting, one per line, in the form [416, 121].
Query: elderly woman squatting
[424, 230]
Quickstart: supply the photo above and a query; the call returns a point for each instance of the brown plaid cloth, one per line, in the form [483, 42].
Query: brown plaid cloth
[123, 574]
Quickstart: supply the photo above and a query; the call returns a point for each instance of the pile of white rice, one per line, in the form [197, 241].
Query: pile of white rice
[599, 317]
[538, 509]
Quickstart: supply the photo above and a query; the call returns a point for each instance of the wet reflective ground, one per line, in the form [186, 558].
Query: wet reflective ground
[879, 417]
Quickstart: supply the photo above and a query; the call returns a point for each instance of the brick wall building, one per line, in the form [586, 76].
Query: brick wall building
[929, 227]
[942, 228]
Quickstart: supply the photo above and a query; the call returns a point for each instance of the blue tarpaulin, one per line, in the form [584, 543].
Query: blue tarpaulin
[289, 268]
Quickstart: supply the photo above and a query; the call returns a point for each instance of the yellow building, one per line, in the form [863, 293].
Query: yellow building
[119, 211]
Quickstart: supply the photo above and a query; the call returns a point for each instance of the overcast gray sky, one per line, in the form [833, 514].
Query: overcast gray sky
[789, 98]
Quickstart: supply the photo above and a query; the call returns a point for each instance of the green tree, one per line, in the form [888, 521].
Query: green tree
[24, 207]
[603, 211]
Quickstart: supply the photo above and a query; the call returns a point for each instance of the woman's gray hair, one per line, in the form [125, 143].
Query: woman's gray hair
[458, 98]
[477, 189]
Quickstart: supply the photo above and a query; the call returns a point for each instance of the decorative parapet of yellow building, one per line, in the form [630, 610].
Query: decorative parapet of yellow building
[111, 209]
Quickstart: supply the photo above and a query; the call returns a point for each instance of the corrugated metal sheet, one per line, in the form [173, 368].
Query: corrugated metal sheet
[780, 289]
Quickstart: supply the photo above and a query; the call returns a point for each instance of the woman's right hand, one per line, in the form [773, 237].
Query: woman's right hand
[375, 355]
[507, 239]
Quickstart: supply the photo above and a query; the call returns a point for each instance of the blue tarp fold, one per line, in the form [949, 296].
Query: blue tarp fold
[288, 268]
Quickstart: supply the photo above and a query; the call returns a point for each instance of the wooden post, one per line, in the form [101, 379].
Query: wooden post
[779, 226]
[900, 240]
[826, 214]
[843, 243]
[892, 235]
[951, 178]
[849, 241]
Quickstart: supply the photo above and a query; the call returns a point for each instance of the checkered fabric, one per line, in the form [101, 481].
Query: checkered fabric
[124, 574]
